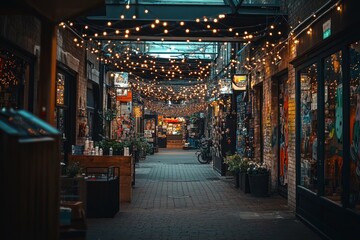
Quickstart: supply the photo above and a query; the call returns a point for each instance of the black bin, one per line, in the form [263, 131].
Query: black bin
[29, 179]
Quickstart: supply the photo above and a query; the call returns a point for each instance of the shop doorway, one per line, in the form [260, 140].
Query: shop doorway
[64, 114]
[283, 135]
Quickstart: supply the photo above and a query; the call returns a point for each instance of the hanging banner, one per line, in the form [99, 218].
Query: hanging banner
[239, 82]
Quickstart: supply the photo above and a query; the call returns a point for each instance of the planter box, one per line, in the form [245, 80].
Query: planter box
[124, 163]
[236, 179]
[244, 182]
[259, 185]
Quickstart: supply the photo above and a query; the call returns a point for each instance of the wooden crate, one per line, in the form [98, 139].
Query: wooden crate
[124, 163]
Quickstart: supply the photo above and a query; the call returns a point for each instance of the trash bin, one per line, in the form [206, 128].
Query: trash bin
[29, 179]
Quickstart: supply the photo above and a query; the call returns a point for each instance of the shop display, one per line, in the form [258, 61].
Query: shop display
[150, 131]
[354, 196]
[333, 127]
[308, 174]
[284, 134]
[244, 131]
[12, 80]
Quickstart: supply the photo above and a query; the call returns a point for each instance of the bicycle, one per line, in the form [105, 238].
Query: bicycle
[204, 153]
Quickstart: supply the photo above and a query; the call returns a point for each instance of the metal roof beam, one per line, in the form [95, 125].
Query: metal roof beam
[173, 38]
[182, 13]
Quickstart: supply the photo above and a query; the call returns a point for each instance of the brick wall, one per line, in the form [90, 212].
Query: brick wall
[23, 31]
[66, 44]
[298, 11]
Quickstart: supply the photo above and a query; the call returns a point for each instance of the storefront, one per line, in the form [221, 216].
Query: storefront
[64, 114]
[16, 78]
[327, 120]
[171, 132]
[244, 129]
[223, 137]
[280, 131]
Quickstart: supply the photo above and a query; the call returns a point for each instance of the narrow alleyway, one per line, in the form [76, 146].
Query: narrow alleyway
[175, 197]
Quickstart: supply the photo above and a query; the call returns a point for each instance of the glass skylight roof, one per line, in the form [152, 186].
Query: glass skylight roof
[180, 50]
[207, 2]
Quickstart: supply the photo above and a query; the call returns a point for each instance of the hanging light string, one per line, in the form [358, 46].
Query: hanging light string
[180, 110]
[276, 49]
[156, 90]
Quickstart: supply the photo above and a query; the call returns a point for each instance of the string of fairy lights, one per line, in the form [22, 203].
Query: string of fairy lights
[158, 91]
[146, 71]
[11, 69]
[181, 110]
[271, 52]
[130, 58]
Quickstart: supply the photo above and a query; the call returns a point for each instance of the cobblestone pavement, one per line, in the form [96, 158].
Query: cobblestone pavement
[175, 197]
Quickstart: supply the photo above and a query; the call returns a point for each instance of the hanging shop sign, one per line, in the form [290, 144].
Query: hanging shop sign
[225, 86]
[121, 80]
[137, 111]
[172, 120]
[327, 29]
[123, 97]
[239, 82]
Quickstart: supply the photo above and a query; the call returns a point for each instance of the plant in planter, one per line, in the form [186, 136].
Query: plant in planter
[73, 169]
[106, 144]
[141, 146]
[243, 175]
[258, 179]
[233, 163]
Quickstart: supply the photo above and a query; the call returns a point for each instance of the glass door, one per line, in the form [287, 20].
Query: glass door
[64, 115]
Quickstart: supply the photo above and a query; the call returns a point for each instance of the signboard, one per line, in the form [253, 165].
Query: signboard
[121, 80]
[225, 86]
[137, 111]
[327, 29]
[239, 82]
[125, 98]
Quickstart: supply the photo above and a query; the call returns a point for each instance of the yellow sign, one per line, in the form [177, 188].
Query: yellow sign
[239, 82]
[137, 111]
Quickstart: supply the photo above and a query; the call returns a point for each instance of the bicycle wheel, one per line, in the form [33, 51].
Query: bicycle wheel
[201, 159]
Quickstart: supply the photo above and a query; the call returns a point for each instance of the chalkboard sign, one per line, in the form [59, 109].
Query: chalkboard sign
[77, 149]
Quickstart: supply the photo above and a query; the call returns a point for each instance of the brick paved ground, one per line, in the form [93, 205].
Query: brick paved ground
[175, 197]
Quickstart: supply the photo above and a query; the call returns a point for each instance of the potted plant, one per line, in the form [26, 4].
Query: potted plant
[258, 179]
[233, 164]
[243, 175]
[73, 170]
[72, 184]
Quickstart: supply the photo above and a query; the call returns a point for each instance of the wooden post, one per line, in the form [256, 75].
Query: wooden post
[47, 78]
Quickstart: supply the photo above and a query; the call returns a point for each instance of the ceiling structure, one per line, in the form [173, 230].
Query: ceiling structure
[210, 20]
[168, 47]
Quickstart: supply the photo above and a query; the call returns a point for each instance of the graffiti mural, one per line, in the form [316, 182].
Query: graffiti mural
[283, 134]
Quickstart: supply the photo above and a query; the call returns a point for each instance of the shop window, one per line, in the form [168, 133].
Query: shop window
[333, 135]
[61, 103]
[60, 89]
[14, 82]
[90, 110]
[308, 138]
[354, 197]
